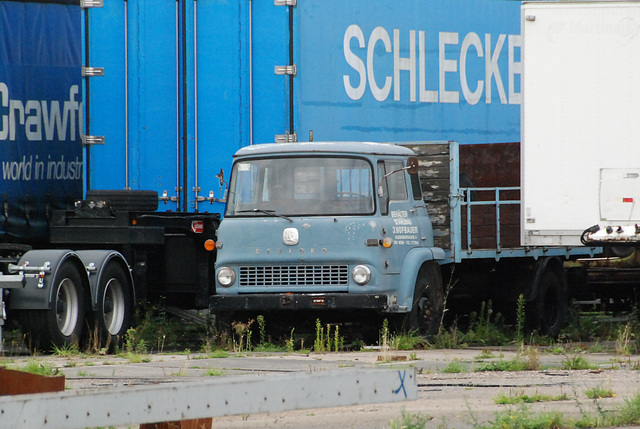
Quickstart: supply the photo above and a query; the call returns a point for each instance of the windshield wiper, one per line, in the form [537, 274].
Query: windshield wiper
[267, 212]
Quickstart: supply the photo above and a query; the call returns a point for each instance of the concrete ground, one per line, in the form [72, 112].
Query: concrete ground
[445, 400]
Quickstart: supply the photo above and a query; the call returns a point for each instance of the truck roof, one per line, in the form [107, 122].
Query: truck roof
[367, 148]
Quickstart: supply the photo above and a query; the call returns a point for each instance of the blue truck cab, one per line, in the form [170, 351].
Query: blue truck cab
[328, 226]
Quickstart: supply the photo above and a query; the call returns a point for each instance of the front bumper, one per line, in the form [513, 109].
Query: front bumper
[298, 302]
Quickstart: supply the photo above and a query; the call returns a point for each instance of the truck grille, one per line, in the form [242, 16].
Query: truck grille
[296, 275]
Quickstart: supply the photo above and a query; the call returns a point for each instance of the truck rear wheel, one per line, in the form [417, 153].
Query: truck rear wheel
[114, 311]
[61, 325]
[428, 302]
[550, 308]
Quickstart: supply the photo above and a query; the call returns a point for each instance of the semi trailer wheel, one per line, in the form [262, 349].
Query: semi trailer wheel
[428, 302]
[550, 308]
[61, 325]
[115, 307]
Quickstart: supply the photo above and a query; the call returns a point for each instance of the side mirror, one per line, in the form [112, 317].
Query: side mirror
[220, 177]
[412, 165]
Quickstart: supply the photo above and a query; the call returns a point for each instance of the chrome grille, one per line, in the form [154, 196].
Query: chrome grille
[294, 275]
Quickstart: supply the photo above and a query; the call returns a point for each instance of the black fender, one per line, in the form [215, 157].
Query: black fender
[37, 293]
[94, 262]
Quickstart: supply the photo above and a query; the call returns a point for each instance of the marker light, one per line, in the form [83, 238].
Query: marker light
[387, 242]
[209, 245]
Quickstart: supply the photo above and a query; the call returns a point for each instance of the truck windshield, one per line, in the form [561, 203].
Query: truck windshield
[297, 186]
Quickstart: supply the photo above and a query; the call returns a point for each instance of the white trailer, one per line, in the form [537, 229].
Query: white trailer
[580, 123]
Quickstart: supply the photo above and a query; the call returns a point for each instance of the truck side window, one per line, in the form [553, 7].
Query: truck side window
[394, 186]
[416, 189]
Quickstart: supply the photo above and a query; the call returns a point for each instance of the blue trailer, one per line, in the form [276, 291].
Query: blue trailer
[187, 84]
[76, 260]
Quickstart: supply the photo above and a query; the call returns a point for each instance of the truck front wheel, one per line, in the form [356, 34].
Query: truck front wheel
[550, 308]
[60, 325]
[428, 302]
[114, 311]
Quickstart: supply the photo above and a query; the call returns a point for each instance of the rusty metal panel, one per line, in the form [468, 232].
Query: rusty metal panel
[14, 382]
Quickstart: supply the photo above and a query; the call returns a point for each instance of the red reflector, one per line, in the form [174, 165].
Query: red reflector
[627, 200]
[197, 226]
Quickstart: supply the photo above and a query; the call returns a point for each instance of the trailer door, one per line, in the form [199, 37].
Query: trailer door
[134, 91]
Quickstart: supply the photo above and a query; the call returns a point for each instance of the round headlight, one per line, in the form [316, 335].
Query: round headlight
[226, 276]
[361, 274]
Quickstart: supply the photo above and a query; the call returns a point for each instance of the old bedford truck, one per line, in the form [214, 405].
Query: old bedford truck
[343, 226]
[337, 226]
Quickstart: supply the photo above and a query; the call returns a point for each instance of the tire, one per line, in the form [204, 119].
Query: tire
[428, 302]
[550, 308]
[114, 311]
[62, 324]
[126, 199]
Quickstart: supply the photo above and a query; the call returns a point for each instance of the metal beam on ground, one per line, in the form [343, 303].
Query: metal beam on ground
[207, 398]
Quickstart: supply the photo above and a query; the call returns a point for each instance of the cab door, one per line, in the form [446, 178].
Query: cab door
[399, 217]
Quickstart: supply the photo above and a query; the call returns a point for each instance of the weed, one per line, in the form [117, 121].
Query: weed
[213, 344]
[67, 350]
[455, 367]
[262, 328]
[268, 347]
[622, 340]
[264, 345]
[597, 348]
[133, 342]
[410, 421]
[485, 328]
[214, 372]
[520, 417]
[447, 290]
[484, 354]
[408, 341]
[243, 331]
[37, 368]
[599, 392]
[338, 341]
[327, 342]
[400, 341]
[318, 344]
[156, 327]
[523, 362]
[576, 362]
[449, 339]
[532, 357]
[522, 398]
[629, 413]
[558, 350]
[520, 320]
[134, 358]
[289, 343]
